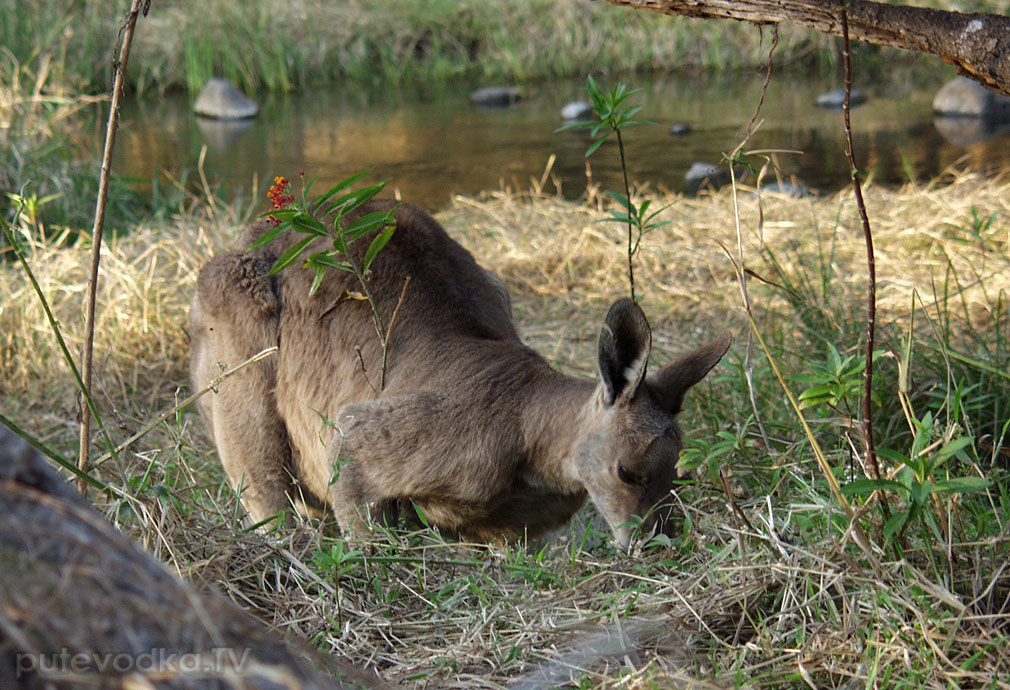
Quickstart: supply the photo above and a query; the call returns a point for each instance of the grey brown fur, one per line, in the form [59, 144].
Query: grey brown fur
[473, 426]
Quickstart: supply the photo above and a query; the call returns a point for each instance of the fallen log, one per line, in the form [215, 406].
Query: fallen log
[82, 607]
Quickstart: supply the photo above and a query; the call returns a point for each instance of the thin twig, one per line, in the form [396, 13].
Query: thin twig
[364, 369]
[214, 383]
[119, 69]
[871, 266]
[744, 294]
[389, 331]
[380, 328]
[212, 205]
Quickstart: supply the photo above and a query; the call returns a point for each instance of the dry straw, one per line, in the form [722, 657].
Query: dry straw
[752, 596]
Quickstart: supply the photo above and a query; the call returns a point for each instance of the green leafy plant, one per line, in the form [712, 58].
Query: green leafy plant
[322, 217]
[922, 474]
[614, 115]
[338, 560]
[709, 455]
[833, 382]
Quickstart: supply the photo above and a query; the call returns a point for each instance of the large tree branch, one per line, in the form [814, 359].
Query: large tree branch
[977, 44]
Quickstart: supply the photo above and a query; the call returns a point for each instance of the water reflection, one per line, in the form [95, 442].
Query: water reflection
[431, 143]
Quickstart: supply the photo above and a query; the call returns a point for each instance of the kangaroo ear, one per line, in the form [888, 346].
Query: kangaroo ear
[625, 344]
[673, 381]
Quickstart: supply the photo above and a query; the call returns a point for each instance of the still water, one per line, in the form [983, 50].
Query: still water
[431, 143]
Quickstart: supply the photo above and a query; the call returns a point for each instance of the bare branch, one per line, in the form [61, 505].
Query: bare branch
[119, 67]
[977, 44]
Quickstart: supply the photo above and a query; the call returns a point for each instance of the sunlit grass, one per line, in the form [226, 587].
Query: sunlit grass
[761, 585]
[313, 42]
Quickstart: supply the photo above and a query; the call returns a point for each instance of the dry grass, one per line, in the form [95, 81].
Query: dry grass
[762, 589]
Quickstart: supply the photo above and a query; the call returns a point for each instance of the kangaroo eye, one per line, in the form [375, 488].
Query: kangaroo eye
[627, 477]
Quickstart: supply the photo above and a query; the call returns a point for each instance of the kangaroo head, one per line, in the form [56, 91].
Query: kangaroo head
[627, 458]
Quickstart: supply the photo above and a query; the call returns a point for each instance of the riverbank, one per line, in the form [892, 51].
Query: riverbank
[265, 46]
[763, 585]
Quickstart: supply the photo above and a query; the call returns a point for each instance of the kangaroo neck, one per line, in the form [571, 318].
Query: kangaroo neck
[556, 417]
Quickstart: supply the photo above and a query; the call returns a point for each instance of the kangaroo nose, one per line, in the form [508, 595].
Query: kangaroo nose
[622, 536]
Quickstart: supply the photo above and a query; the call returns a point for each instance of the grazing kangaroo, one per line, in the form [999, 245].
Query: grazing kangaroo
[473, 426]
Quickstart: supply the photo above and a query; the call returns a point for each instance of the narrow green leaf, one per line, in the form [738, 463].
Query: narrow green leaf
[807, 378]
[620, 198]
[834, 359]
[420, 514]
[290, 256]
[340, 205]
[339, 243]
[595, 145]
[616, 217]
[377, 244]
[906, 476]
[268, 236]
[281, 214]
[575, 125]
[824, 390]
[920, 492]
[961, 485]
[366, 193]
[352, 200]
[366, 224]
[923, 434]
[307, 190]
[307, 223]
[892, 455]
[331, 261]
[812, 402]
[650, 226]
[317, 279]
[954, 446]
[868, 486]
[894, 524]
[336, 189]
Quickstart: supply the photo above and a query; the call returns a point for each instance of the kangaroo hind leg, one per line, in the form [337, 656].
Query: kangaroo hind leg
[234, 315]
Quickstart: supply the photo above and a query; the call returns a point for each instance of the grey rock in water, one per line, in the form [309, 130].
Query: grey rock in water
[963, 97]
[577, 110]
[705, 174]
[679, 129]
[220, 99]
[495, 96]
[965, 131]
[836, 98]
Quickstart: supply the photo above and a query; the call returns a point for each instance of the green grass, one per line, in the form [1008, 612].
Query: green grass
[49, 165]
[260, 46]
[762, 586]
